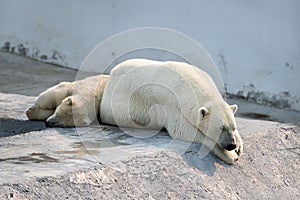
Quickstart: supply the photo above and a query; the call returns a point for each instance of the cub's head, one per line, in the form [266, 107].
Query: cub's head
[218, 123]
[70, 113]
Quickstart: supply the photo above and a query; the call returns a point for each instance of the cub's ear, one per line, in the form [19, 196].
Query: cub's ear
[203, 112]
[69, 100]
[234, 108]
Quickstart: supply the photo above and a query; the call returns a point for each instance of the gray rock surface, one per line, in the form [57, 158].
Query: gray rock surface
[103, 162]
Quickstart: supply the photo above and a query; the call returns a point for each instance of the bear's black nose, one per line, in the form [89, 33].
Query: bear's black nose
[230, 147]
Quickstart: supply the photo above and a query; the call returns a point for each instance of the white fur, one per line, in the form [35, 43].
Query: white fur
[180, 97]
[70, 103]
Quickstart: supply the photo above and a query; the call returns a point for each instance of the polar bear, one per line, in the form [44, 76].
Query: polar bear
[70, 104]
[176, 96]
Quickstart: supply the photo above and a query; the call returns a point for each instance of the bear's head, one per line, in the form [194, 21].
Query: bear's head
[218, 123]
[70, 113]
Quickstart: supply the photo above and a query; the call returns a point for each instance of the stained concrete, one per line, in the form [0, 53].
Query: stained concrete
[104, 162]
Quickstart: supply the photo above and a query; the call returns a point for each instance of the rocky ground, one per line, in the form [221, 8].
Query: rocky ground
[104, 162]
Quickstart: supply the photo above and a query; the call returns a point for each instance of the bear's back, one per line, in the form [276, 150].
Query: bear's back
[185, 81]
[171, 71]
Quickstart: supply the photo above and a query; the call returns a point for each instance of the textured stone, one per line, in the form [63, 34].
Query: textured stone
[103, 162]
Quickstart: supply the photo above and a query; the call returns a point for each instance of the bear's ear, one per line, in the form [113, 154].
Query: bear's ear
[69, 101]
[203, 112]
[234, 108]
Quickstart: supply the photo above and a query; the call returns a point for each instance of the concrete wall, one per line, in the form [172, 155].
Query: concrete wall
[255, 44]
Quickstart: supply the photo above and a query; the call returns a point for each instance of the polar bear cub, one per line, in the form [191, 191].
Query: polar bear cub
[173, 95]
[70, 104]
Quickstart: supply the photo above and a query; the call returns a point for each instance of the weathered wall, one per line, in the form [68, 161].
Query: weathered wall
[255, 44]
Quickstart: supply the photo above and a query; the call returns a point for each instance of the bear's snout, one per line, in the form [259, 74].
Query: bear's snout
[229, 144]
[230, 147]
[50, 123]
[228, 141]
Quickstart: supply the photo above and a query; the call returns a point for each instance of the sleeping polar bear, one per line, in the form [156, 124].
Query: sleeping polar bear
[70, 104]
[172, 95]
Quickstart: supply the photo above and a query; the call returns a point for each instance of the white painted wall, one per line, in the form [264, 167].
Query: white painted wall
[255, 44]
